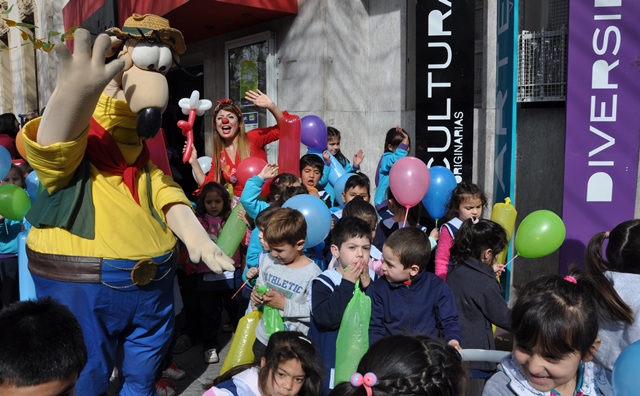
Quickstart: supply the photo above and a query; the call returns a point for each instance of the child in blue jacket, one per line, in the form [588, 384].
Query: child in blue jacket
[408, 299]
[396, 146]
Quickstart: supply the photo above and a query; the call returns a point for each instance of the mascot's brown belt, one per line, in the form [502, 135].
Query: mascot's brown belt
[114, 273]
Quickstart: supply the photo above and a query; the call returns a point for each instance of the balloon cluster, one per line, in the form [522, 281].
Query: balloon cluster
[14, 201]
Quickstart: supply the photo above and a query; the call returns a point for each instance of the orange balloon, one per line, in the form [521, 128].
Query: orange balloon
[20, 145]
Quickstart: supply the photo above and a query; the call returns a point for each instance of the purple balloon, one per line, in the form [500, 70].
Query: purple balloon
[313, 133]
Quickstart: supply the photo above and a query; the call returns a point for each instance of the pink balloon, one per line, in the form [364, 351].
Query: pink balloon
[409, 181]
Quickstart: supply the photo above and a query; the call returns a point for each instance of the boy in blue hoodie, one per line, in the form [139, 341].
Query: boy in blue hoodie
[332, 290]
[407, 299]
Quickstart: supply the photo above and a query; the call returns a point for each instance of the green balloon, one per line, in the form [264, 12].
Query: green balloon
[232, 233]
[540, 234]
[14, 202]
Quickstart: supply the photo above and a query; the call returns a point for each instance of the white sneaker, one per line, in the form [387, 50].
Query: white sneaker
[173, 372]
[163, 388]
[211, 356]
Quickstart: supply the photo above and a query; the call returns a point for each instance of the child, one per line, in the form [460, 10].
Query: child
[555, 326]
[214, 290]
[361, 209]
[467, 201]
[290, 366]
[312, 168]
[618, 277]
[250, 198]
[409, 300]
[357, 185]
[287, 272]
[333, 147]
[257, 246]
[27, 330]
[407, 365]
[9, 230]
[394, 219]
[332, 291]
[477, 292]
[396, 146]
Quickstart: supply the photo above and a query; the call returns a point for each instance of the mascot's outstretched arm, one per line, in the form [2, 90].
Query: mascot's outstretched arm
[81, 79]
[185, 225]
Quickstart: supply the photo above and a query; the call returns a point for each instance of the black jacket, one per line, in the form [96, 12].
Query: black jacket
[479, 303]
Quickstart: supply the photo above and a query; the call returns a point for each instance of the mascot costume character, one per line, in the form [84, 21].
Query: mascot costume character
[104, 232]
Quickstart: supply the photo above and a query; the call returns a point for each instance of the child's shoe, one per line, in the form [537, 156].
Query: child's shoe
[211, 356]
[165, 388]
[183, 343]
[227, 328]
[173, 372]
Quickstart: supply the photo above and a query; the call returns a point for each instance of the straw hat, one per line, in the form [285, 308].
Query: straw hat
[151, 26]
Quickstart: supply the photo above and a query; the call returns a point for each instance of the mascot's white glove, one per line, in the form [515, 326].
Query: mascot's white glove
[81, 79]
[186, 226]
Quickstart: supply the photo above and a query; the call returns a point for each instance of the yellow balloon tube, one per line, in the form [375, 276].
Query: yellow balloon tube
[240, 351]
[504, 214]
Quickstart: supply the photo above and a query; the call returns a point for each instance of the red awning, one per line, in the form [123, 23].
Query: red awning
[196, 19]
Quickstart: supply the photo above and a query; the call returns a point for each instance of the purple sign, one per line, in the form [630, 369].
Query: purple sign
[603, 121]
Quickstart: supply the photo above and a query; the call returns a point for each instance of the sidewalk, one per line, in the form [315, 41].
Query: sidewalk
[199, 372]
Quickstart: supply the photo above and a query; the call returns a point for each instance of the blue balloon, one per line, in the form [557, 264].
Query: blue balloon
[25, 281]
[316, 214]
[5, 162]
[33, 185]
[443, 182]
[625, 379]
[337, 170]
[338, 188]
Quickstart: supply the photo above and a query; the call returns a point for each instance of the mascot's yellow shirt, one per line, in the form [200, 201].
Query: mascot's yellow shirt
[123, 229]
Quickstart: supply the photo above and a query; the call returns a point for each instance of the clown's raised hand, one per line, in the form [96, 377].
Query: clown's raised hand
[81, 78]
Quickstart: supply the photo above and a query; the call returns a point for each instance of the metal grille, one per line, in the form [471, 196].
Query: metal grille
[558, 15]
[542, 66]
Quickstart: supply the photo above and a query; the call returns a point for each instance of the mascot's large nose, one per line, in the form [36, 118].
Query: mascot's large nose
[149, 122]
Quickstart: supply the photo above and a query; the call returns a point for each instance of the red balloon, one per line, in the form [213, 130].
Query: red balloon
[248, 168]
[289, 146]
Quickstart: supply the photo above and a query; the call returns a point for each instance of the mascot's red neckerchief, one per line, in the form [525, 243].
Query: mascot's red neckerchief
[103, 152]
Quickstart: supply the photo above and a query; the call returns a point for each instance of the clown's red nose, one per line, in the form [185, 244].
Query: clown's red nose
[225, 120]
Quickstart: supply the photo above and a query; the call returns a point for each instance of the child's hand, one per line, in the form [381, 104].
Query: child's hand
[327, 157]
[405, 137]
[274, 299]
[259, 99]
[353, 272]
[242, 215]
[358, 158]
[194, 154]
[269, 171]
[313, 191]
[455, 344]
[333, 222]
[256, 298]
[365, 278]
[252, 273]
[435, 234]
[498, 269]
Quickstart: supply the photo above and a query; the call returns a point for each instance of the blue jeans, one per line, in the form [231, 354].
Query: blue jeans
[125, 328]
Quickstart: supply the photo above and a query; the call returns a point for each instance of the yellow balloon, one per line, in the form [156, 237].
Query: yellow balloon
[504, 214]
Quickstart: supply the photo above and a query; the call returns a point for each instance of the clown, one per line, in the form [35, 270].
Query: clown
[104, 236]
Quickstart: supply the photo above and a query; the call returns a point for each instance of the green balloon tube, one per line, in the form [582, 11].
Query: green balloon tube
[232, 232]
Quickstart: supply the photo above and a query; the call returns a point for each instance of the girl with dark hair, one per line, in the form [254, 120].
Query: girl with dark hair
[477, 293]
[9, 127]
[231, 144]
[333, 146]
[467, 200]
[618, 277]
[215, 290]
[290, 366]
[407, 365]
[396, 146]
[555, 326]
